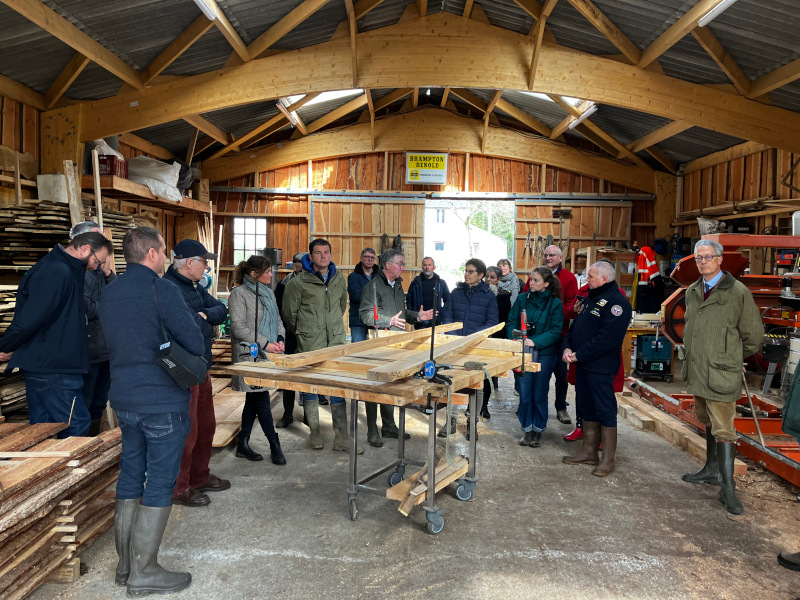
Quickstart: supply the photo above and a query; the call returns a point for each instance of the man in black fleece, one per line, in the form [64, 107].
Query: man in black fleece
[153, 411]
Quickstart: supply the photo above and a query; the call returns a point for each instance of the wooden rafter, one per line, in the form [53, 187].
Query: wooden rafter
[775, 79]
[65, 79]
[338, 113]
[659, 135]
[192, 143]
[351, 17]
[178, 46]
[532, 7]
[207, 128]
[422, 6]
[371, 106]
[445, 94]
[284, 26]
[56, 25]
[259, 132]
[467, 9]
[228, 31]
[274, 125]
[523, 117]
[415, 97]
[20, 92]
[604, 25]
[659, 155]
[456, 42]
[729, 66]
[488, 113]
[676, 32]
[294, 119]
[537, 35]
[394, 96]
[362, 7]
[470, 99]
[204, 144]
[134, 141]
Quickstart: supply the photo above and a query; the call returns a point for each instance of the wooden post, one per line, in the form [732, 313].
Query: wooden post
[74, 200]
[466, 173]
[219, 260]
[98, 197]
[17, 182]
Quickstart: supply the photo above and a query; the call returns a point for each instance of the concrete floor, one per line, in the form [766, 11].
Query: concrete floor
[536, 528]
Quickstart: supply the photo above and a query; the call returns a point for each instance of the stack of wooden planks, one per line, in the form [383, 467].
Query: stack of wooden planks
[58, 497]
[12, 391]
[412, 490]
[8, 300]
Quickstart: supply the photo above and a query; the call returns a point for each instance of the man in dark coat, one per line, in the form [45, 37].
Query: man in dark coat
[421, 288]
[153, 411]
[593, 343]
[47, 339]
[291, 342]
[362, 274]
[195, 478]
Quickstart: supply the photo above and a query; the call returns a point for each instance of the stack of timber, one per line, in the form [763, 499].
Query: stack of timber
[12, 391]
[413, 490]
[227, 403]
[8, 300]
[58, 497]
[119, 223]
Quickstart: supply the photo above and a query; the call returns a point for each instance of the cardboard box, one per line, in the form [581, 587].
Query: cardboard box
[201, 191]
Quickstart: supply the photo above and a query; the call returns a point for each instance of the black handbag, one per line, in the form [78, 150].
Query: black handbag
[185, 368]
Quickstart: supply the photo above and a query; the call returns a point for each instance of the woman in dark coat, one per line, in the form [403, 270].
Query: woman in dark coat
[493, 275]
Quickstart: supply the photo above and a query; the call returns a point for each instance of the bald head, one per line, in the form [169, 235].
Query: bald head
[552, 257]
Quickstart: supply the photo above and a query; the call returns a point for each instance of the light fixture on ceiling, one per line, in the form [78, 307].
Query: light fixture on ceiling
[283, 106]
[585, 115]
[208, 8]
[715, 12]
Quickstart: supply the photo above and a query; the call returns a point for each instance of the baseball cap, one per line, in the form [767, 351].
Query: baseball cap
[298, 257]
[192, 248]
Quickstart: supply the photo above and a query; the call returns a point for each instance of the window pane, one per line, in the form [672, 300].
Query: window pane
[238, 256]
[250, 226]
[261, 241]
[238, 242]
[238, 225]
[261, 226]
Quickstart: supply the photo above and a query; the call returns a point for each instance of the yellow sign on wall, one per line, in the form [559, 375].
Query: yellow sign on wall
[426, 168]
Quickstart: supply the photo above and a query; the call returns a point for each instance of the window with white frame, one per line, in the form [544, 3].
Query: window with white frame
[440, 215]
[438, 246]
[249, 237]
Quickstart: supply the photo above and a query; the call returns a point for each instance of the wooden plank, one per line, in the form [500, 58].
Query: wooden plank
[29, 436]
[407, 367]
[315, 356]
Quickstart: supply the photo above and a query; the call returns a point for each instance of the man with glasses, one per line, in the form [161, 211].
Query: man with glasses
[47, 339]
[362, 274]
[723, 327]
[421, 288]
[187, 268]
[383, 306]
[569, 289]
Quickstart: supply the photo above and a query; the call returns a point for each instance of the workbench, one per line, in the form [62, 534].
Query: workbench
[383, 371]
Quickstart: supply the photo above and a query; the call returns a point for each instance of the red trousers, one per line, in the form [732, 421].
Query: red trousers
[197, 449]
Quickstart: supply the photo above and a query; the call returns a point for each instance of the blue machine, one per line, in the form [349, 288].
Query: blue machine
[653, 357]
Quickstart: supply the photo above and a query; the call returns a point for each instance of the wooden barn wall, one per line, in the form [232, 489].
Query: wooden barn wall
[19, 131]
[354, 225]
[752, 177]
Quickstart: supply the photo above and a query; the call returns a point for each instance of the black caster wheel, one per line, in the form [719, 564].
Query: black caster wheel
[436, 526]
[463, 494]
[353, 510]
[395, 478]
[668, 379]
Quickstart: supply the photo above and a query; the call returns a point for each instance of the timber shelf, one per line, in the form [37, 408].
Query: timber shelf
[130, 191]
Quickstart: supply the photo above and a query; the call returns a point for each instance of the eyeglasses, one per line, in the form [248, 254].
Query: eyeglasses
[368, 257]
[99, 262]
[470, 271]
[402, 265]
[707, 258]
[551, 255]
[202, 260]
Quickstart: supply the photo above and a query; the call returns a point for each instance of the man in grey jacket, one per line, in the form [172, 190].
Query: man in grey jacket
[723, 327]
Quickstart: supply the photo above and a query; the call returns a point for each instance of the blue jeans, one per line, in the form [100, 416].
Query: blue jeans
[357, 333]
[152, 446]
[96, 384]
[533, 388]
[315, 397]
[52, 396]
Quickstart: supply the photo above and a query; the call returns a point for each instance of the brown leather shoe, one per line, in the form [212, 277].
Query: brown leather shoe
[214, 484]
[191, 498]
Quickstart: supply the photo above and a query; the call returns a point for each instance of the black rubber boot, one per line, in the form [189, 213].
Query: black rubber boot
[726, 454]
[124, 511]
[388, 427]
[443, 431]
[789, 560]
[373, 435]
[288, 409]
[710, 472]
[94, 428]
[147, 576]
[243, 449]
[525, 440]
[276, 454]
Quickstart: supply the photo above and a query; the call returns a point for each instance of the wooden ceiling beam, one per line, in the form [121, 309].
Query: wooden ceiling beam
[489, 108]
[57, 26]
[192, 142]
[371, 106]
[676, 31]
[470, 99]
[611, 32]
[134, 141]
[229, 32]
[775, 79]
[729, 66]
[362, 7]
[391, 97]
[445, 94]
[659, 135]
[338, 113]
[532, 7]
[422, 6]
[415, 97]
[274, 125]
[523, 117]
[662, 158]
[467, 9]
[178, 46]
[385, 53]
[351, 17]
[14, 90]
[436, 130]
[284, 26]
[65, 79]
[537, 34]
[207, 128]
[204, 144]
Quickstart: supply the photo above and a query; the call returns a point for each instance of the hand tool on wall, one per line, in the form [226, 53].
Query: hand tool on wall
[527, 250]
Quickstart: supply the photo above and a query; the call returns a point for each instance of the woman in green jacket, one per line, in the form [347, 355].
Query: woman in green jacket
[544, 318]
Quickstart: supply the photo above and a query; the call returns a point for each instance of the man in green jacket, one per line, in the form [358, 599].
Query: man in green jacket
[723, 327]
[313, 310]
[384, 296]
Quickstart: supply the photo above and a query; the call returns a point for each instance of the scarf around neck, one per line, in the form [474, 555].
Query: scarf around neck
[268, 327]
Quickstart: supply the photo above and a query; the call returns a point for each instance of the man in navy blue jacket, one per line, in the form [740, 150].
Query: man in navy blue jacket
[420, 292]
[194, 478]
[362, 274]
[593, 343]
[153, 411]
[47, 338]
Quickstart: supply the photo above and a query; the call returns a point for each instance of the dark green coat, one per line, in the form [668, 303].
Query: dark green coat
[391, 300]
[719, 334]
[314, 311]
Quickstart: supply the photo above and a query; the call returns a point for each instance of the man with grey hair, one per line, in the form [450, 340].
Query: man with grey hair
[195, 478]
[593, 343]
[97, 381]
[383, 306]
[723, 327]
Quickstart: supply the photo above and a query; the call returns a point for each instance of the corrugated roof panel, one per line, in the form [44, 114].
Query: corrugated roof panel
[696, 142]
[787, 97]
[317, 29]
[208, 53]
[94, 82]
[507, 14]
[571, 29]
[688, 61]
[386, 13]
[174, 136]
[243, 119]
[311, 112]
[541, 109]
[257, 16]
[643, 21]
[625, 125]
